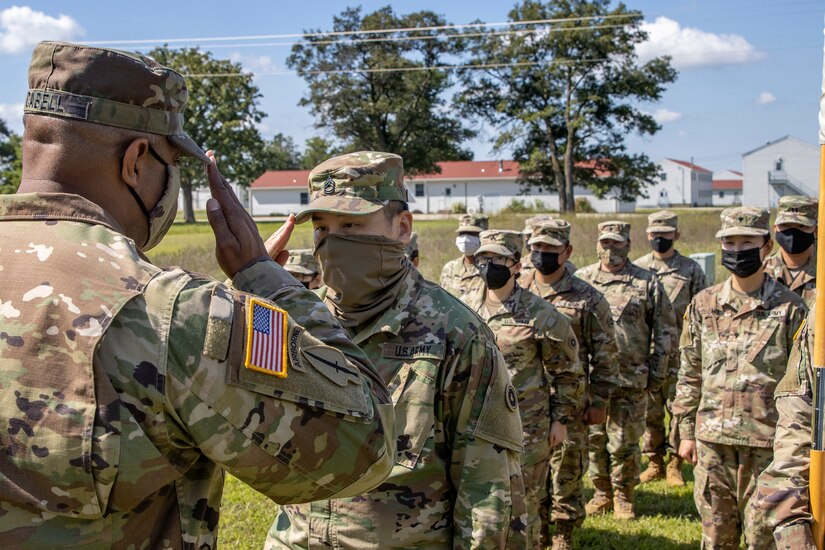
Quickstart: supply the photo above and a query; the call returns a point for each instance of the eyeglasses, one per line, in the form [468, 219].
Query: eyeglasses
[481, 261]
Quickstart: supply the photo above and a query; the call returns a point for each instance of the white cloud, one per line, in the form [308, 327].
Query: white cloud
[663, 116]
[255, 63]
[692, 47]
[12, 114]
[21, 28]
[765, 98]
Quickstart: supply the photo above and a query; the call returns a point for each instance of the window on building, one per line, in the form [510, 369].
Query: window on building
[304, 198]
[419, 189]
[448, 192]
[721, 194]
[663, 176]
[779, 164]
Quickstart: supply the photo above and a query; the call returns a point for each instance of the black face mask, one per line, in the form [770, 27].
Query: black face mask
[742, 263]
[794, 241]
[545, 262]
[661, 244]
[494, 276]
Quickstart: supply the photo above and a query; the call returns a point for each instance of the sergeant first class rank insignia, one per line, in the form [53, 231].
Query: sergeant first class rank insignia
[266, 338]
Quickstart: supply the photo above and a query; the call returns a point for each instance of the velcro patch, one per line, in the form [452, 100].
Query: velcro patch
[266, 338]
[413, 351]
[331, 363]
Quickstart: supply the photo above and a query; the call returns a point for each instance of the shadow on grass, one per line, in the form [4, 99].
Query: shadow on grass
[591, 538]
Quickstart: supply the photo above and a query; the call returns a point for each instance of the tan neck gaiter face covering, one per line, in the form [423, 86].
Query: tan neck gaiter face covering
[364, 272]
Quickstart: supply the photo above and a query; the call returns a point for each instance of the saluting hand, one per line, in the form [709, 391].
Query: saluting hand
[237, 241]
[276, 243]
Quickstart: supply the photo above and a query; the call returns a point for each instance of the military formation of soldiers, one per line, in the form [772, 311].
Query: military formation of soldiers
[376, 408]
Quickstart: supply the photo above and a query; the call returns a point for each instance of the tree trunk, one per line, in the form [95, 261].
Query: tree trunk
[570, 199]
[558, 172]
[188, 211]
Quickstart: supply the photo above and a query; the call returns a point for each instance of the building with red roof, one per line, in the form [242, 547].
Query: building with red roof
[681, 183]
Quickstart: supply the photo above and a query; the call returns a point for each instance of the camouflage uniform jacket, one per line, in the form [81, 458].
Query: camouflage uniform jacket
[541, 352]
[460, 279]
[114, 438]
[732, 358]
[643, 322]
[782, 491]
[589, 315]
[804, 283]
[457, 479]
[682, 279]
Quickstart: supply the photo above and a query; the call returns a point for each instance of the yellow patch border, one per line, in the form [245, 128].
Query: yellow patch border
[248, 359]
[799, 330]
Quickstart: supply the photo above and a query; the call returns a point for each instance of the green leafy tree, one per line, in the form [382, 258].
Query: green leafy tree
[11, 159]
[356, 99]
[221, 115]
[565, 98]
[281, 153]
[317, 151]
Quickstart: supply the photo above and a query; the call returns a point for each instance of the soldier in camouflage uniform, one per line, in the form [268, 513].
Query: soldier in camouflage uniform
[644, 325]
[457, 480]
[541, 352]
[527, 232]
[302, 265]
[589, 315]
[460, 276]
[794, 264]
[111, 436]
[682, 279]
[782, 489]
[411, 250]
[735, 345]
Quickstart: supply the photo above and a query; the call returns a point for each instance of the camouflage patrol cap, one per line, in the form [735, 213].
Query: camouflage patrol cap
[662, 221]
[797, 209]
[744, 220]
[502, 242]
[470, 223]
[356, 183]
[110, 87]
[616, 230]
[411, 248]
[531, 222]
[552, 232]
[302, 261]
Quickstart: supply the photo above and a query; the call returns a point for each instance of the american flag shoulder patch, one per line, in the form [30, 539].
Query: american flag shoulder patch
[266, 338]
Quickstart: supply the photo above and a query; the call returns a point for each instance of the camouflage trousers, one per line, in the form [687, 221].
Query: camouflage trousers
[657, 440]
[724, 490]
[565, 488]
[535, 491]
[615, 455]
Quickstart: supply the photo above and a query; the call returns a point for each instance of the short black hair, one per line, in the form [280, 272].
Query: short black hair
[394, 208]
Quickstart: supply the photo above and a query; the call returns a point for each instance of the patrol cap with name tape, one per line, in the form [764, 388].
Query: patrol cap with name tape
[614, 230]
[110, 87]
[663, 221]
[744, 220]
[502, 242]
[356, 183]
[797, 209]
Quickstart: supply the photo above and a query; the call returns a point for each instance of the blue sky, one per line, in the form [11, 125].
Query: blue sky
[749, 71]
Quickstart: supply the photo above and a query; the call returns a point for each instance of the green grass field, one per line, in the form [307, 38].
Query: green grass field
[667, 518]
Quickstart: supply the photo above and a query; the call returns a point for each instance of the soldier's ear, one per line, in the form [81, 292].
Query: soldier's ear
[405, 225]
[131, 164]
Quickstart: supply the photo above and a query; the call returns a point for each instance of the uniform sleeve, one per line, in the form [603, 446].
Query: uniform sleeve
[445, 275]
[698, 282]
[321, 428]
[689, 384]
[662, 321]
[560, 355]
[782, 490]
[599, 338]
[483, 433]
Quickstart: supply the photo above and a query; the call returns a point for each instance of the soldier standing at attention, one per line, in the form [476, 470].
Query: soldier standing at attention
[794, 264]
[589, 315]
[302, 265]
[460, 276]
[129, 390]
[682, 279]
[644, 325]
[541, 352]
[783, 487]
[735, 345]
[457, 480]
[529, 223]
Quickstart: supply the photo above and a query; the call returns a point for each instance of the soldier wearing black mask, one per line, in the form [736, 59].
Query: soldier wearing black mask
[794, 264]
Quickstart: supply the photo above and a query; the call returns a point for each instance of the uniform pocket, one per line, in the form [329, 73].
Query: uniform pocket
[413, 395]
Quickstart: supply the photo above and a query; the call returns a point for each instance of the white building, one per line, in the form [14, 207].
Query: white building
[727, 188]
[202, 194]
[786, 166]
[681, 183]
[480, 186]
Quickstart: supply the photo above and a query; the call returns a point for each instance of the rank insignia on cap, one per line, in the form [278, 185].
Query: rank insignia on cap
[329, 186]
[266, 338]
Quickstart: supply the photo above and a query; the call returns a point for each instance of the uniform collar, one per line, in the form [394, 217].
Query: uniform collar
[393, 319]
[565, 284]
[625, 275]
[762, 299]
[669, 265]
[510, 306]
[55, 206]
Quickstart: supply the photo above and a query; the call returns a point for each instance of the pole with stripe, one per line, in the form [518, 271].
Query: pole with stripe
[817, 473]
